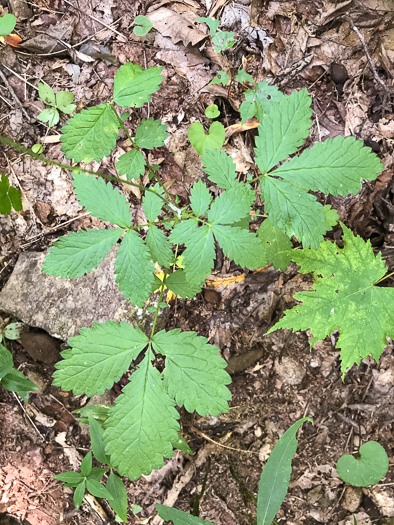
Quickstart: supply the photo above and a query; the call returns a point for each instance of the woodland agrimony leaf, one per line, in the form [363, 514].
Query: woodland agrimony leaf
[178, 517]
[134, 85]
[344, 297]
[335, 166]
[159, 247]
[133, 269]
[152, 203]
[91, 134]
[194, 372]
[232, 205]
[283, 129]
[242, 247]
[142, 425]
[150, 134]
[277, 245]
[179, 284]
[331, 216]
[132, 164]
[294, 211]
[220, 168]
[200, 198]
[79, 253]
[102, 199]
[98, 357]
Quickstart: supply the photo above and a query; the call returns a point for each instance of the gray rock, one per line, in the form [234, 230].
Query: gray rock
[63, 306]
[290, 371]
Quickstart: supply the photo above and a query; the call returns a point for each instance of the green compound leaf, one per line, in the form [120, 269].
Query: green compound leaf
[133, 269]
[212, 23]
[98, 357]
[194, 372]
[200, 198]
[275, 479]
[179, 284]
[46, 94]
[118, 492]
[259, 98]
[142, 425]
[294, 211]
[7, 24]
[150, 134]
[132, 164]
[200, 249]
[283, 129]
[220, 168]
[232, 205]
[50, 115]
[10, 197]
[64, 101]
[178, 517]
[202, 141]
[242, 247]
[335, 166]
[277, 245]
[134, 85]
[344, 297]
[142, 26]
[159, 247]
[79, 253]
[152, 203]
[102, 199]
[368, 469]
[221, 78]
[223, 40]
[6, 361]
[91, 134]
[212, 111]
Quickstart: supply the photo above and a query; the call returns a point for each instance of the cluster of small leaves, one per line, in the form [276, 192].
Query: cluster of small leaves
[221, 40]
[10, 197]
[10, 378]
[61, 101]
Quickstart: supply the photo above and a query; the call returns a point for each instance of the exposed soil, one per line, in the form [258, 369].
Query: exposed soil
[275, 379]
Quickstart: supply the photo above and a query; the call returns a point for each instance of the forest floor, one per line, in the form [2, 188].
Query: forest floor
[315, 44]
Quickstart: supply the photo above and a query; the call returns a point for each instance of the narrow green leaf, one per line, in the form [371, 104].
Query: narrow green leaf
[91, 134]
[159, 247]
[79, 494]
[275, 479]
[335, 166]
[70, 477]
[179, 284]
[133, 269]
[202, 141]
[102, 199]
[152, 204]
[6, 361]
[98, 357]
[242, 247]
[79, 253]
[134, 85]
[220, 168]
[194, 372]
[15, 381]
[132, 164]
[277, 245]
[283, 130]
[294, 211]
[118, 492]
[179, 517]
[142, 425]
[86, 465]
[96, 439]
[200, 198]
[232, 205]
[182, 445]
[97, 489]
[150, 134]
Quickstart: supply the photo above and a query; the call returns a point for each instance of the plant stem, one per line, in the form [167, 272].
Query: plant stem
[133, 143]
[383, 278]
[158, 304]
[74, 169]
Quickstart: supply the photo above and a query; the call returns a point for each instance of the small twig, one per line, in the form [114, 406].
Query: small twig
[364, 44]
[20, 78]
[29, 418]
[14, 95]
[220, 444]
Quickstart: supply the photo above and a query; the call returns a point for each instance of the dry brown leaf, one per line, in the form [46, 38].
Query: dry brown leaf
[177, 27]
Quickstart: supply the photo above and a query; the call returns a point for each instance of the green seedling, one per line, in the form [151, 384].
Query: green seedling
[212, 111]
[10, 378]
[62, 102]
[10, 197]
[368, 469]
[142, 25]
